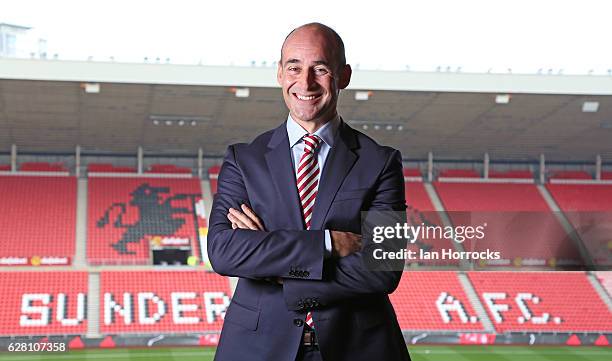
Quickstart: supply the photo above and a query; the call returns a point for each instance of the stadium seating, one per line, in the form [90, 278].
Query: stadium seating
[570, 174]
[588, 207]
[42, 167]
[606, 175]
[108, 168]
[43, 303]
[5, 167]
[517, 222]
[126, 214]
[540, 302]
[412, 173]
[38, 220]
[605, 278]
[168, 168]
[511, 174]
[458, 173]
[421, 211]
[433, 301]
[162, 301]
[213, 174]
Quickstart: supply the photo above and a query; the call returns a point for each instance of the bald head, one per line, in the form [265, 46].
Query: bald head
[326, 34]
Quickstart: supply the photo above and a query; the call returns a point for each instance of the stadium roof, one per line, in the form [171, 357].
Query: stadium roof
[44, 107]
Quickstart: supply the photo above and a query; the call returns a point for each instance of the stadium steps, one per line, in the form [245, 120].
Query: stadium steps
[600, 290]
[206, 196]
[93, 305]
[439, 207]
[81, 224]
[567, 226]
[475, 301]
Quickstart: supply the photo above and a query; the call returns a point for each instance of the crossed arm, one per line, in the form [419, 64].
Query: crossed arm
[239, 245]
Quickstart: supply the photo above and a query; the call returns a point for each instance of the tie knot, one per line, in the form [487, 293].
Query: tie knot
[311, 142]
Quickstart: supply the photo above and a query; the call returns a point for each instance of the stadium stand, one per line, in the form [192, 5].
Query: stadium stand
[420, 211]
[541, 302]
[431, 301]
[518, 221]
[606, 175]
[570, 174]
[458, 173]
[412, 174]
[213, 175]
[5, 167]
[125, 215]
[43, 303]
[42, 167]
[605, 278]
[38, 220]
[511, 174]
[588, 207]
[168, 168]
[108, 168]
[162, 301]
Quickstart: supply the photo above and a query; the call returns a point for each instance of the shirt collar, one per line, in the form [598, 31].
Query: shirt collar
[327, 132]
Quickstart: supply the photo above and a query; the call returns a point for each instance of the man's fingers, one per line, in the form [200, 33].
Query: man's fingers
[243, 218]
[237, 222]
[253, 216]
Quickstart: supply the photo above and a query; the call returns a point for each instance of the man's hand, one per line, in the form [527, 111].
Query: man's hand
[245, 219]
[345, 243]
[248, 219]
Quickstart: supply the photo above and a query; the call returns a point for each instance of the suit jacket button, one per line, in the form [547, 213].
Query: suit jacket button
[306, 273]
[298, 322]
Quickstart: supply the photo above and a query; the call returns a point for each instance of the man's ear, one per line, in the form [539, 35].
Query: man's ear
[279, 73]
[345, 76]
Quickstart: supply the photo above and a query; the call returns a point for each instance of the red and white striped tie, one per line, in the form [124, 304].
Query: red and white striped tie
[308, 184]
[308, 177]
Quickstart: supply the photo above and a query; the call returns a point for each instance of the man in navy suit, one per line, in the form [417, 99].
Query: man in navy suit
[286, 220]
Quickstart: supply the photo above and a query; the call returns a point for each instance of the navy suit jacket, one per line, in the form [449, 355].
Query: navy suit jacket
[354, 319]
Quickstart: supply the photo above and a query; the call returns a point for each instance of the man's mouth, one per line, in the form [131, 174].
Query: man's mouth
[306, 97]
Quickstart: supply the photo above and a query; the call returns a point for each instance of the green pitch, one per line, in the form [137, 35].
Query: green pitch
[418, 353]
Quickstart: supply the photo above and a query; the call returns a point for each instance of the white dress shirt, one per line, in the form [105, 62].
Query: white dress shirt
[327, 134]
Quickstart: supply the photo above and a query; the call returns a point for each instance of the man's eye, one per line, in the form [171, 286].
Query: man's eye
[292, 68]
[321, 71]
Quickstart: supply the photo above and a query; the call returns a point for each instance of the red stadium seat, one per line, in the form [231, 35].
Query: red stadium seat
[126, 214]
[42, 167]
[519, 223]
[38, 220]
[458, 173]
[213, 174]
[43, 303]
[588, 207]
[541, 302]
[108, 168]
[421, 211]
[168, 168]
[433, 301]
[162, 301]
[570, 174]
[511, 174]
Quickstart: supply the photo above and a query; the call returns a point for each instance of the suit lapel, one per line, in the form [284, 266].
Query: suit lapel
[339, 162]
[278, 158]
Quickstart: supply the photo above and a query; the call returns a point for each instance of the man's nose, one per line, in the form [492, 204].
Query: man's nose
[307, 80]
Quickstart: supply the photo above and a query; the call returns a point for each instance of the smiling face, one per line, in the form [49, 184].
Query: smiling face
[311, 76]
